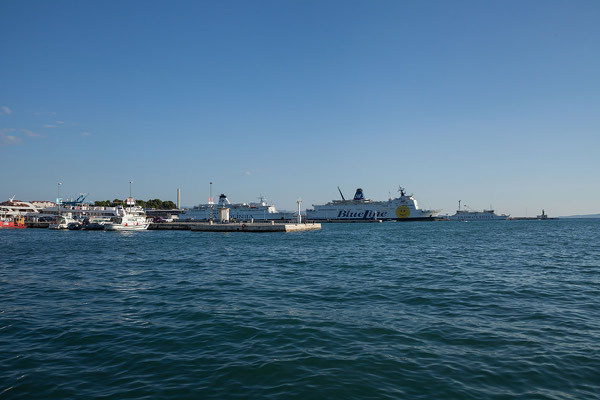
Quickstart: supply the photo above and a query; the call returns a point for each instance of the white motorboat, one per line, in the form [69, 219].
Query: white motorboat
[95, 223]
[63, 221]
[131, 218]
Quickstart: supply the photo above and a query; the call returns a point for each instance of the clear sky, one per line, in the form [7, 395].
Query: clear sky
[491, 103]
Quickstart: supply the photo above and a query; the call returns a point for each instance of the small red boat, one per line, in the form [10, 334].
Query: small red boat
[12, 223]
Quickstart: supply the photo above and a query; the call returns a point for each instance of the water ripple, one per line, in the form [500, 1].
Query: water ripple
[374, 311]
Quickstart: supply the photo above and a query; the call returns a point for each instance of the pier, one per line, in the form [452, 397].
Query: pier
[217, 227]
[171, 226]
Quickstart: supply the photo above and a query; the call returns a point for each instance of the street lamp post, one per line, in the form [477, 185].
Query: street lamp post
[58, 197]
[211, 202]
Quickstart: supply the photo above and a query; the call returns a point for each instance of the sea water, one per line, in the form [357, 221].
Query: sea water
[416, 310]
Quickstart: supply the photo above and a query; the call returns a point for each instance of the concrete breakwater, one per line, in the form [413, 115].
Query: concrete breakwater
[234, 226]
[218, 227]
[255, 227]
[171, 226]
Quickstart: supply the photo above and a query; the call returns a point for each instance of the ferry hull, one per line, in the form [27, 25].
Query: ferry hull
[117, 227]
[375, 220]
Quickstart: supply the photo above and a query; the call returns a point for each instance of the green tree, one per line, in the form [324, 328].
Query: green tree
[157, 204]
[168, 205]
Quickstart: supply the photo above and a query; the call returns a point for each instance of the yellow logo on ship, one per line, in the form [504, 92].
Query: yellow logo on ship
[402, 212]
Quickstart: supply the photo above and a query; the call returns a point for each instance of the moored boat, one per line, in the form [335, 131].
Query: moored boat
[132, 218]
[63, 221]
[17, 222]
[95, 223]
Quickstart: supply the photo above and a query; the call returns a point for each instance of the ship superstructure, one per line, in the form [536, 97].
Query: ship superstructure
[37, 209]
[81, 211]
[403, 208]
[237, 211]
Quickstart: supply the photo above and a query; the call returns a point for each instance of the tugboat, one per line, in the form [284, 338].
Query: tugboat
[403, 208]
[16, 222]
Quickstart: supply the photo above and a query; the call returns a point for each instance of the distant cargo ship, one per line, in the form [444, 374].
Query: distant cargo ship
[403, 208]
[542, 216]
[240, 211]
[473, 215]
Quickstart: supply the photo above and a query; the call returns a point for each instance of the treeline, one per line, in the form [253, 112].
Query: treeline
[157, 204]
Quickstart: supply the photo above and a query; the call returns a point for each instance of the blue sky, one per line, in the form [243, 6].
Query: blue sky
[491, 103]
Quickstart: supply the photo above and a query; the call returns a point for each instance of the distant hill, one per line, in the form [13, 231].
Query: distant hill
[582, 216]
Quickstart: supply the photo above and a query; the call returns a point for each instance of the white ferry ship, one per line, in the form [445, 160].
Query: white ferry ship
[403, 208]
[239, 212]
[33, 210]
[13, 208]
[468, 214]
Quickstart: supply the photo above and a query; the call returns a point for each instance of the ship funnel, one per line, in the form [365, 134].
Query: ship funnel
[359, 194]
[223, 200]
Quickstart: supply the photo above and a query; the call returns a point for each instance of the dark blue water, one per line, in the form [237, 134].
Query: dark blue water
[496, 310]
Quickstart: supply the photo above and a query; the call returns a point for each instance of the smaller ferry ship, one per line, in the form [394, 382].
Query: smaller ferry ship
[239, 212]
[468, 214]
[132, 218]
